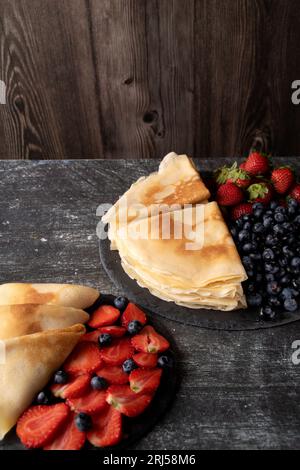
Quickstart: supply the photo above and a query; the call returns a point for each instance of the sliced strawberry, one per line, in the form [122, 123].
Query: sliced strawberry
[85, 358]
[37, 426]
[149, 341]
[145, 360]
[132, 312]
[113, 374]
[145, 381]
[74, 388]
[90, 337]
[91, 402]
[104, 315]
[107, 428]
[68, 438]
[126, 401]
[120, 350]
[114, 331]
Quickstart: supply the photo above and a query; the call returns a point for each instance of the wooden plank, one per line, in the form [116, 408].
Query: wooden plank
[47, 62]
[144, 54]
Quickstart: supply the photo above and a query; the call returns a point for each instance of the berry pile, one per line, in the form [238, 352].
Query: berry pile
[269, 246]
[114, 370]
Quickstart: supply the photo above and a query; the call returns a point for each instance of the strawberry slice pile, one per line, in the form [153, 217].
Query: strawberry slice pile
[113, 372]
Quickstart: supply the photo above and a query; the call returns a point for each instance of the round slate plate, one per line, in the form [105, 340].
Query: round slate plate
[236, 320]
[133, 428]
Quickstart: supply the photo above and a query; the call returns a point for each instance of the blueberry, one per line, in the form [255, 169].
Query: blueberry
[279, 217]
[280, 210]
[120, 303]
[234, 232]
[297, 220]
[274, 205]
[270, 277]
[287, 226]
[268, 254]
[257, 213]
[43, 398]
[278, 229]
[165, 362]
[258, 278]
[267, 313]
[247, 226]
[247, 248]
[104, 339]
[83, 422]
[247, 262]
[271, 268]
[250, 273]
[296, 284]
[268, 221]
[99, 383]
[255, 256]
[247, 218]
[134, 327]
[295, 262]
[274, 301]
[287, 251]
[258, 206]
[258, 228]
[251, 287]
[60, 377]
[292, 211]
[129, 365]
[255, 300]
[288, 293]
[244, 236]
[271, 241]
[290, 305]
[283, 262]
[285, 280]
[273, 288]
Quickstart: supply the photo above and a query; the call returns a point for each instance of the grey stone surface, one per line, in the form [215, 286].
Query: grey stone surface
[238, 390]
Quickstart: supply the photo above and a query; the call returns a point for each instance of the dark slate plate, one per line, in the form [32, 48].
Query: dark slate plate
[133, 428]
[213, 319]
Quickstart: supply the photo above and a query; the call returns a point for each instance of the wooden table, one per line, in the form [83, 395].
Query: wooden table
[238, 390]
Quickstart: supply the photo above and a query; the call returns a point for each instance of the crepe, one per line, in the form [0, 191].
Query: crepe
[20, 320]
[66, 295]
[29, 364]
[176, 183]
[196, 265]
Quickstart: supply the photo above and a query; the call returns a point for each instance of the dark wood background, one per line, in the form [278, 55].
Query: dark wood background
[138, 78]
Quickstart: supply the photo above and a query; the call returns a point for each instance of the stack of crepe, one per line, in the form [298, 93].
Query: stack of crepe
[195, 264]
[39, 326]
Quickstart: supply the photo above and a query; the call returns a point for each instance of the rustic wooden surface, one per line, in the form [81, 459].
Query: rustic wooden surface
[139, 78]
[238, 390]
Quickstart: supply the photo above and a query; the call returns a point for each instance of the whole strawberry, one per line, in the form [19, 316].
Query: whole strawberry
[295, 193]
[245, 208]
[260, 192]
[242, 166]
[282, 179]
[229, 194]
[257, 164]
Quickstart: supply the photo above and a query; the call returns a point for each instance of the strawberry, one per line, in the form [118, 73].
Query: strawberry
[114, 331]
[238, 211]
[145, 381]
[282, 179]
[92, 337]
[120, 350]
[38, 425]
[257, 164]
[113, 374]
[149, 341]
[145, 360]
[233, 174]
[229, 194]
[90, 402]
[68, 438]
[260, 192]
[242, 166]
[74, 388]
[83, 359]
[104, 315]
[126, 401]
[107, 428]
[295, 193]
[132, 312]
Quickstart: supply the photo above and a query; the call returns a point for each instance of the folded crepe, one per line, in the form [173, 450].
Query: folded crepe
[66, 295]
[26, 319]
[176, 183]
[28, 365]
[196, 264]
